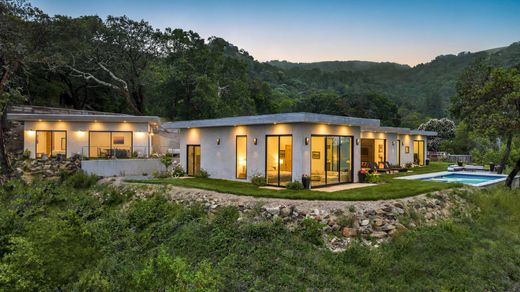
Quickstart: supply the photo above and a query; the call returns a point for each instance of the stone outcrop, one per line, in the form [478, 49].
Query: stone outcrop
[30, 168]
[368, 222]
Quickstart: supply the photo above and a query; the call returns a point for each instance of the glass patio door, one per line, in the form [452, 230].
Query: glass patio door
[193, 157]
[331, 160]
[398, 152]
[418, 152]
[278, 164]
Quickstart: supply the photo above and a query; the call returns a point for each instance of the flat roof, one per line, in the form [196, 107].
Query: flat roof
[82, 118]
[397, 130]
[285, 118]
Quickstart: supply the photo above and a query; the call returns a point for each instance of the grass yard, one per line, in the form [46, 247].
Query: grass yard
[388, 189]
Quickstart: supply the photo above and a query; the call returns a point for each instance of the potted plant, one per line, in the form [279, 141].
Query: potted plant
[306, 181]
[362, 175]
[459, 163]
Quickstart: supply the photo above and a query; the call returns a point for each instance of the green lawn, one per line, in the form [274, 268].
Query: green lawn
[389, 189]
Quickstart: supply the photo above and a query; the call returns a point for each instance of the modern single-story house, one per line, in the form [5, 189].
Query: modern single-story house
[283, 147]
[89, 135]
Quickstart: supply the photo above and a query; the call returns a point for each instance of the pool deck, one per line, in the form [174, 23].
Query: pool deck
[499, 177]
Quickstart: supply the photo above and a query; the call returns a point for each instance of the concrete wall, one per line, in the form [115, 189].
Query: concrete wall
[219, 160]
[121, 167]
[78, 134]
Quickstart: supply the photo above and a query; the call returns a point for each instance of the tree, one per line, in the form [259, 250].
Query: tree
[445, 129]
[488, 99]
[20, 43]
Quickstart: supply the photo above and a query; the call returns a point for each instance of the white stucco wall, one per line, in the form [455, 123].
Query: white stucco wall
[219, 160]
[78, 134]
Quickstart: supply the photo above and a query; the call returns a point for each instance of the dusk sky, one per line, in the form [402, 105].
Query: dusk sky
[408, 32]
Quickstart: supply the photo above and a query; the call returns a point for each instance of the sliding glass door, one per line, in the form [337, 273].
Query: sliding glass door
[398, 152]
[331, 160]
[418, 152]
[278, 163]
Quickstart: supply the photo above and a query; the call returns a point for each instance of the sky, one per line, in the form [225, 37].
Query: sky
[402, 31]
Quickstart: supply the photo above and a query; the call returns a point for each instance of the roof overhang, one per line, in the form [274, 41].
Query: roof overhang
[286, 118]
[83, 118]
[397, 130]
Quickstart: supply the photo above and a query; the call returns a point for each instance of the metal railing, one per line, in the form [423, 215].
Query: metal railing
[107, 152]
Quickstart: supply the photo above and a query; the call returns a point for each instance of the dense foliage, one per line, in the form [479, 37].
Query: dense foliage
[54, 236]
[445, 129]
[120, 64]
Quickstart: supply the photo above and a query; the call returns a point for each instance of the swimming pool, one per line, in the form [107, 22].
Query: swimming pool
[467, 178]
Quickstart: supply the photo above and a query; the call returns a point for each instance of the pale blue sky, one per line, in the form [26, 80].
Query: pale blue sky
[402, 31]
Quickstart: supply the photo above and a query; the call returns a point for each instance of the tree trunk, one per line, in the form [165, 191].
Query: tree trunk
[503, 163]
[5, 165]
[511, 176]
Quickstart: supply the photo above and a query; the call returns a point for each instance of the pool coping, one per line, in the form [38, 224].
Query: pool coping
[441, 173]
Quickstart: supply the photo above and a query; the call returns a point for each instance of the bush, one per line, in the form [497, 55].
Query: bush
[310, 230]
[258, 180]
[177, 170]
[202, 174]
[295, 185]
[167, 161]
[372, 178]
[81, 180]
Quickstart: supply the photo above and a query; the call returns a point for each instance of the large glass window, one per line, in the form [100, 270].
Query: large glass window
[331, 160]
[51, 143]
[373, 150]
[193, 157]
[278, 160]
[104, 144]
[241, 157]
[418, 152]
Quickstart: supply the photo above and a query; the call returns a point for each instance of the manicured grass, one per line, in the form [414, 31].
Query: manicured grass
[389, 189]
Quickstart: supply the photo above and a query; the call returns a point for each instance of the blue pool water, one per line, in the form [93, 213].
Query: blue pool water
[468, 179]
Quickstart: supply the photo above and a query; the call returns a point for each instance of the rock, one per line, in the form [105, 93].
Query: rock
[387, 208]
[388, 227]
[400, 226]
[399, 205]
[378, 221]
[285, 212]
[364, 222]
[275, 211]
[428, 216]
[349, 232]
[379, 211]
[411, 225]
[378, 234]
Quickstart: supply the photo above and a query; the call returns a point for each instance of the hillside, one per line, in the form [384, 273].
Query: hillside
[425, 88]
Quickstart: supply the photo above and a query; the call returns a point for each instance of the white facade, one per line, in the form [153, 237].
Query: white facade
[218, 146]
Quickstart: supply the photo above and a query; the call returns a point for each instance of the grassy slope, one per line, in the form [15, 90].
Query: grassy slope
[389, 189]
[105, 243]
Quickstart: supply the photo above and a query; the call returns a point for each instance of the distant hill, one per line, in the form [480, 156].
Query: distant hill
[425, 88]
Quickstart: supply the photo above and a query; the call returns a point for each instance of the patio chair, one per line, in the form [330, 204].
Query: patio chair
[395, 167]
[375, 167]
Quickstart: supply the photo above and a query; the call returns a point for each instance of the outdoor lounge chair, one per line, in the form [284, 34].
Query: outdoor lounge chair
[375, 167]
[395, 168]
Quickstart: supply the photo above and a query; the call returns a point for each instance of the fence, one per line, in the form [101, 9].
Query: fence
[443, 156]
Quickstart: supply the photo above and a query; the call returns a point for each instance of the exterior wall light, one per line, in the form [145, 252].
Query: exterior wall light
[255, 141]
[306, 140]
[393, 142]
[218, 141]
[357, 141]
[402, 143]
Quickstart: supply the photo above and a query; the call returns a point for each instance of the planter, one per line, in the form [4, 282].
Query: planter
[459, 163]
[306, 181]
[362, 177]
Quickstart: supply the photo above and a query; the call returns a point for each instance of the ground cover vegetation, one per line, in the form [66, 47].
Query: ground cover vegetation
[66, 235]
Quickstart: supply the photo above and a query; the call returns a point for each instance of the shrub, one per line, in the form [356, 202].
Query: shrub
[81, 180]
[26, 154]
[310, 230]
[295, 185]
[372, 178]
[202, 174]
[177, 170]
[258, 180]
[167, 161]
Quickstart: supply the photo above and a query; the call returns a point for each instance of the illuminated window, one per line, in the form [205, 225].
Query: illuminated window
[51, 143]
[110, 143]
[418, 152]
[279, 160]
[241, 157]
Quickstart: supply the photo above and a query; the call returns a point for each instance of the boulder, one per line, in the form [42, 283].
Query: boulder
[378, 234]
[364, 222]
[349, 232]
